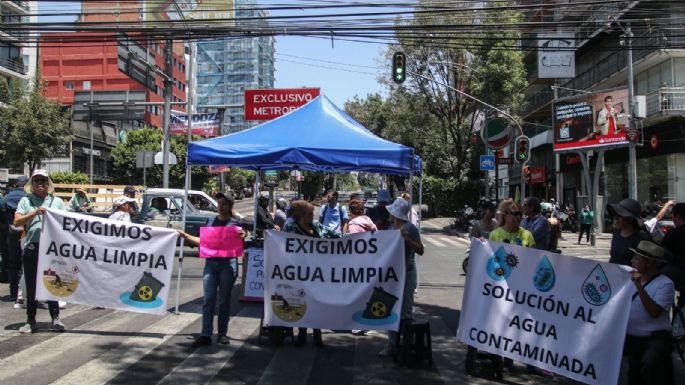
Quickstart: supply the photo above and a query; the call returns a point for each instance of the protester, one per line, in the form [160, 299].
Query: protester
[304, 224]
[674, 242]
[333, 215]
[29, 215]
[487, 223]
[130, 191]
[652, 225]
[11, 239]
[649, 341]
[536, 223]
[586, 219]
[379, 214]
[627, 230]
[123, 207]
[4, 253]
[555, 230]
[509, 230]
[219, 275]
[399, 212]
[281, 214]
[79, 203]
[359, 222]
[264, 219]
[414, 215]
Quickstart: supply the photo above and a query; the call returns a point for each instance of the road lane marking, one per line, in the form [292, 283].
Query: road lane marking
[434, 242]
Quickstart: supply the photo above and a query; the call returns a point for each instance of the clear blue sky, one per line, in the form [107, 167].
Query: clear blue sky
[304, 62]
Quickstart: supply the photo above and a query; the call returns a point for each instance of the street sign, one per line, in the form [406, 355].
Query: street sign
[496, 133]
[145, 159]
[505, 161]
[159, 158]
[271, 178]
[487, 162]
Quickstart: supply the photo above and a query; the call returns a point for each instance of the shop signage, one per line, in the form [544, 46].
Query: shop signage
[267, 104]
[95, 152]
[538, 175]
[505, 161]
[496, 133]
[556, 56]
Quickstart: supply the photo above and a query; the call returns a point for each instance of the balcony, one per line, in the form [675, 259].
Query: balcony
[21, 7]
[664, 101]
[14, 64]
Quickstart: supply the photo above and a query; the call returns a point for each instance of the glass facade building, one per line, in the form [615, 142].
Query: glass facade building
[227, 67]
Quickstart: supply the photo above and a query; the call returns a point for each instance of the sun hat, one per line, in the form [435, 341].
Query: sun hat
[121, 200]
[39, 172]
[650, 250]
[399, 209]
[383, 196]
[627, 208]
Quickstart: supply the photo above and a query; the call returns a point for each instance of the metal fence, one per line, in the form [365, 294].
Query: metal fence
[666, 99]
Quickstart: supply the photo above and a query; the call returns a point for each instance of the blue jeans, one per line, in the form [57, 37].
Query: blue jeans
[219, 273]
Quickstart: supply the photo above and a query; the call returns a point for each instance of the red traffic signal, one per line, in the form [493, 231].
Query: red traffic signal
[526, 173]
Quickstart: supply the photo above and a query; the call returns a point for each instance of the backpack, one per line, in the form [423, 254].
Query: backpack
[322, 216]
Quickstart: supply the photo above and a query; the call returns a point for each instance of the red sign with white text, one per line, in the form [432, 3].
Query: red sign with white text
[271, 103]
[538, 175]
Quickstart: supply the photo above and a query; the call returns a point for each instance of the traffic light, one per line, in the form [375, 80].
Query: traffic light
[526, 174]
[399, 62]
[522, 149]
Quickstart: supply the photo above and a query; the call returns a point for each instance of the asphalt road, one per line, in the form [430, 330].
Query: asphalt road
[103, 346]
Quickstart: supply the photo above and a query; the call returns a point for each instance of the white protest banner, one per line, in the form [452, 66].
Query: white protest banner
[351, 283]
[253, 275]
[563, 314]
[100, 262]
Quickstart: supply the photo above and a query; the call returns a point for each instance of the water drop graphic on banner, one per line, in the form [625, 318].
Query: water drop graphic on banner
[596, 289]
[497, 267]
[545, 278]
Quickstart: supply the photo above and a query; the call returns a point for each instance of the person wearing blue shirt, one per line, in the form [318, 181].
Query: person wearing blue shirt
[10, 203]
[333, 216]
[536, 223]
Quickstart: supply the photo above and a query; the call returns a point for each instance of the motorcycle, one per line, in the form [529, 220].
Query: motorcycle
[464, 218]
[567, 218]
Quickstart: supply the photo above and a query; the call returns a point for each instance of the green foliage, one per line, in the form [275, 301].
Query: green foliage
[33, 128]
[444, 196]
[149, 139]
[69, 177]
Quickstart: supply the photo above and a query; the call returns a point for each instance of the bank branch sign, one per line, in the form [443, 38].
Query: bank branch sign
[267, 104]
[564, 314]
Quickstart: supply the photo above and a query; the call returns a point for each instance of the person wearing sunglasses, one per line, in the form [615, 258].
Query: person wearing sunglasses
[510, 230]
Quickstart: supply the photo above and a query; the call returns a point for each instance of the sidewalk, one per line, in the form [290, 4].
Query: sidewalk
[568, 240]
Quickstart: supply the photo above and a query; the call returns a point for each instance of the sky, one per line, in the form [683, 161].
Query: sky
[341, 69]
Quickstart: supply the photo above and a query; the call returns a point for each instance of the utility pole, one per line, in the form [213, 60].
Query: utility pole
[168, 90]
[632, 156]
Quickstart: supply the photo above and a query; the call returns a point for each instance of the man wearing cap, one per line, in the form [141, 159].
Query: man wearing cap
[627, 230]
[11, 237]
[674, 241]
[29, 215]
[648, 341]
[379, 214]
[123, 207]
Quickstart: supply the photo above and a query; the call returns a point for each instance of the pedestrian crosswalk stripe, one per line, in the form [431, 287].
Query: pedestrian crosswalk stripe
[105, 367]
[202, 365]
[434, 242]
[456, 241]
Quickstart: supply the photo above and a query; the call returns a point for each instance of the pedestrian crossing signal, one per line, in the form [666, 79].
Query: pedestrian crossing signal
[399, 70]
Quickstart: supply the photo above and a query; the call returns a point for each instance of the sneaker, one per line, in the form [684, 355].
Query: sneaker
[19, 304]
[202, 341]
[62, 304]
[224, 340]
[28, 328]
[57, 325]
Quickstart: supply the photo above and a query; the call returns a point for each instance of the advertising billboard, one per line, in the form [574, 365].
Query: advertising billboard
[203, 124]
[592, 121]
[269, 104]
[556, 56]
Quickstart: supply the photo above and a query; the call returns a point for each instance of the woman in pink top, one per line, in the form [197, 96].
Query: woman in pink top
[358, 222]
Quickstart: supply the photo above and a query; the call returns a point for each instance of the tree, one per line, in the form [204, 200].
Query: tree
[33, 128]
[150, 139]
[483, 65]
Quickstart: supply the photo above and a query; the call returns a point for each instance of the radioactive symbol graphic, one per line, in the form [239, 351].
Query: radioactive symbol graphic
[380, 304]
[379, 310]
[147, 288]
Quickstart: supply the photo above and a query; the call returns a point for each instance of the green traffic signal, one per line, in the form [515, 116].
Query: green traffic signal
[522, 149]
[398, 67]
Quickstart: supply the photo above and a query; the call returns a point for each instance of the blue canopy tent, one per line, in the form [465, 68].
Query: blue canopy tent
[316, 137]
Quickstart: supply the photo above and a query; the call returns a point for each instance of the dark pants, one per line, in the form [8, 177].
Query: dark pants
[649, 359]
[14, 252]
[585, 228]
[4, 258]
[30, 272]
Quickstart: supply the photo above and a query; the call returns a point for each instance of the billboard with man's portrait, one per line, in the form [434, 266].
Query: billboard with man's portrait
[592, 120]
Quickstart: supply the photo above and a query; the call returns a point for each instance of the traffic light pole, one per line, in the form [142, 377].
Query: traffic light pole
[506, 115]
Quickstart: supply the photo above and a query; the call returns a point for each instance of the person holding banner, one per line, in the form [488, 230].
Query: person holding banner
[304, 224]
[29, 216]
[649, 341]
[509, 230]
[219, 275]
[399, 215]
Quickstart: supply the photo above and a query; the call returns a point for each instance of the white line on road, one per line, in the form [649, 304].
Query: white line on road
[434, 242]
[457, 241]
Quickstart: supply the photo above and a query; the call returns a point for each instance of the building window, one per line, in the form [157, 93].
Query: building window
[69, 85]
